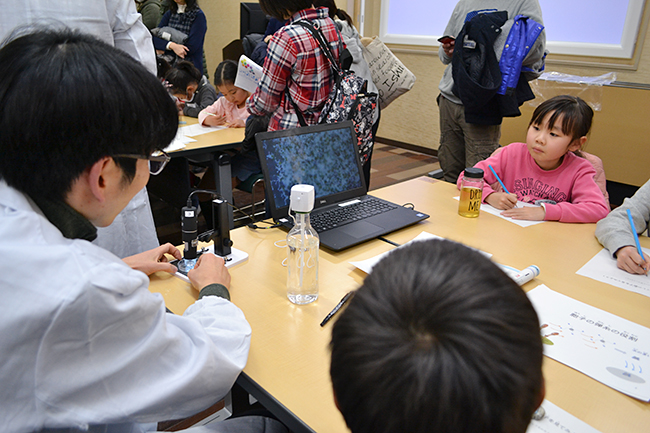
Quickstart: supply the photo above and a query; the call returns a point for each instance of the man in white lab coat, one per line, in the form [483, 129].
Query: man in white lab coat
[84, 345]
[117, 23]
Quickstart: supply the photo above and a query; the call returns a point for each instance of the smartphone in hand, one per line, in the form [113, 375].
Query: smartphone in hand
[446, 39]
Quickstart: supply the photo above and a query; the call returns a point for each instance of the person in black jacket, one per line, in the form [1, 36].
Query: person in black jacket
[470, 122]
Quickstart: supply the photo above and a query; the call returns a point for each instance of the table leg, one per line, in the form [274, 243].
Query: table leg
[223, 180]
[295, 424]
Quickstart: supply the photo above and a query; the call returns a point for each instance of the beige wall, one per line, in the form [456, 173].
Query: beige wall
[223, 28]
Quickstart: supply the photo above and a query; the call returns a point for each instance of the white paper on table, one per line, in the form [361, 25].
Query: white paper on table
[557, 420]
[605, 347]
[497, 212]
[367, 265]
[175, 145]
[196, 129]
[602, 267]
[249, 74]
[179, 142]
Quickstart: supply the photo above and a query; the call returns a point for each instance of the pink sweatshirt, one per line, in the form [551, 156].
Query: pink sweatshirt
[234, 115]
[571, 186]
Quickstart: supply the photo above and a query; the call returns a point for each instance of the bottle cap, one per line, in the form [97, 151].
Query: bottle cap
[301, 198]
[474, 173]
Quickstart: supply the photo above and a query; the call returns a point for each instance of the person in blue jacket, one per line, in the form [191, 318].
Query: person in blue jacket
[186, 17]
[465, 141]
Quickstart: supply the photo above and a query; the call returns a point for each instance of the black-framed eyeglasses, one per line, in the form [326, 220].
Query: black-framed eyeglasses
[157, 161]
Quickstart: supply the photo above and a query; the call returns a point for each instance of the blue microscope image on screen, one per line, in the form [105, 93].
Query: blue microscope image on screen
[324, 159]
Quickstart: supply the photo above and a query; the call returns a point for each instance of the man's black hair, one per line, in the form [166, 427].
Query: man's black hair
[68, 100]
[438, 339]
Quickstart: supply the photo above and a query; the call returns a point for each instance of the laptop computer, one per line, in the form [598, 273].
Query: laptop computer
[326, 156]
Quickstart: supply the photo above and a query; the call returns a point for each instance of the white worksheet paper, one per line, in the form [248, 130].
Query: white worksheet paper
[602, 267]
[497, 212]
[605, 347]
[248, 74]
[175, 145]
[179, 142]
[367, 265]
[197, 129]
[557, 420]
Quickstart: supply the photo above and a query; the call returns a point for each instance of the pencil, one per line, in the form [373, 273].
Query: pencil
[500, 182]
[636, 237]
[341, 303]
[499, 179]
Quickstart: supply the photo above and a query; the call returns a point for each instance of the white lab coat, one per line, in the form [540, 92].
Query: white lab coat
[117, 23]
[84, 342]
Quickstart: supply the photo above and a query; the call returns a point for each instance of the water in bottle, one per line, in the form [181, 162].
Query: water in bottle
[302, 261]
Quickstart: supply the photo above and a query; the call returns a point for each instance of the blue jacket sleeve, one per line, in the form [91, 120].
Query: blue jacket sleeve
[195, 40]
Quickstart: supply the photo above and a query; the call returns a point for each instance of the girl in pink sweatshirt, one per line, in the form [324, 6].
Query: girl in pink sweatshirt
[230, 109]
[545, 170]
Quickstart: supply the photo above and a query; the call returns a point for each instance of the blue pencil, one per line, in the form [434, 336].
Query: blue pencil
[636, 237]
[499, 179]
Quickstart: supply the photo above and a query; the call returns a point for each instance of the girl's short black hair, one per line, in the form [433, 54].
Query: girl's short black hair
[68, 100]
[226, 73]
[284, 9]
[437, 339]
[182, 75]
[575, 113]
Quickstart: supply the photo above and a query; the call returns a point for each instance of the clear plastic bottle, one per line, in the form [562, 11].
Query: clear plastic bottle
[302, 261]
[471, 193]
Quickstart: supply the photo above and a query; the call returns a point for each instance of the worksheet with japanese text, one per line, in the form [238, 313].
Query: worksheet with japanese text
[602, 267]
[557, 420]
[608, 348]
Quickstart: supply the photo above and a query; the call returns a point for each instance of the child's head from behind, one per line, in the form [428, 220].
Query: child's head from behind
[558, 125]
[437, 339]
[183, 79]
[284, 9]
[224, 80]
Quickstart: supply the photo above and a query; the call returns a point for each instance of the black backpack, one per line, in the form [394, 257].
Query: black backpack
[349, 98]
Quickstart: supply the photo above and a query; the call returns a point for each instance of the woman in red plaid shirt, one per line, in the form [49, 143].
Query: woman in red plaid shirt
[294, 61]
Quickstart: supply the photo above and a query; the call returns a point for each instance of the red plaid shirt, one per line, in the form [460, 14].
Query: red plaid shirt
[294, 60]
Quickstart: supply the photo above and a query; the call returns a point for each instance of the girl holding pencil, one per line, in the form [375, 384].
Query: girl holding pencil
[620, 235]
[229, 110]
[545, 171]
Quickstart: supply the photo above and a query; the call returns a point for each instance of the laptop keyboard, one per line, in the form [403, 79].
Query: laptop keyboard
[342, 215]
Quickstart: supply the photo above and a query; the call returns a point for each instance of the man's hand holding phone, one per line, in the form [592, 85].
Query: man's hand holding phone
[448, 43]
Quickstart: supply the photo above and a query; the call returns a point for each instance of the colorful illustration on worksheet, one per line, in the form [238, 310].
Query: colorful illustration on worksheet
[248, 68]
[606, 347]
[631, 368]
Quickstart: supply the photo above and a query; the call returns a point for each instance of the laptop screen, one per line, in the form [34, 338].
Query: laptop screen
[324, 156]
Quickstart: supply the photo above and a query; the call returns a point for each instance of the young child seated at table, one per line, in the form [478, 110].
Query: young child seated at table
[546, 170]
[229, 110]
[437, 339]
[192, 90]
[615, 232]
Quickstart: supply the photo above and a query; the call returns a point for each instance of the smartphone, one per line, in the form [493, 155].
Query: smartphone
[446, 39]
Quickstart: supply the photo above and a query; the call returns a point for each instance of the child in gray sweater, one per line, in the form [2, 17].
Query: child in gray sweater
[615, 234]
